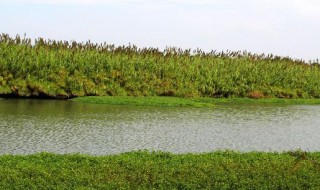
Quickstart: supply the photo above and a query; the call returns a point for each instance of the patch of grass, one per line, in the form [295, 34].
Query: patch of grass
[177, 102]
[282, 101]
[157, 170]
[143, 101]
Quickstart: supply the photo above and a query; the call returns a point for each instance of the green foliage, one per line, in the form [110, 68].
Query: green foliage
[70, 69]
[157, 170]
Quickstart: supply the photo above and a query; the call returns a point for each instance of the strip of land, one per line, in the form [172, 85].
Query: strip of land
[157, 170]
[181, 102]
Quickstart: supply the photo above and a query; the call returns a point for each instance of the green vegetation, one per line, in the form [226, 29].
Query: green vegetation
[144, 170]
[61, 69]
[144, 101]
[176, 102]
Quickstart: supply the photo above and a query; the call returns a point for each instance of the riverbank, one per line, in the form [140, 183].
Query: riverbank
[145, 170]
[194, 102]
[62, 69]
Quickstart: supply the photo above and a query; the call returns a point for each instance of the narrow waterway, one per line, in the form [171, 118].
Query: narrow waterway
[30, 126]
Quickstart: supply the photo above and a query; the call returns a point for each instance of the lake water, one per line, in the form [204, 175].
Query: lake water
[30, 126]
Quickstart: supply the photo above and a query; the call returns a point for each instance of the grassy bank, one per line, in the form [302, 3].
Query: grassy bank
[60, 69]
[194, 102]
[145, 101]
[144, 170]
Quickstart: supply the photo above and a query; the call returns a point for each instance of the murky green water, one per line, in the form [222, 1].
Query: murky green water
[29, 126]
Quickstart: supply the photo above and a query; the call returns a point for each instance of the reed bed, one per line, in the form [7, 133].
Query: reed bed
[66, 69]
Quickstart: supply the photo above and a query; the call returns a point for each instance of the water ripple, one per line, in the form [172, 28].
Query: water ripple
[29, 126]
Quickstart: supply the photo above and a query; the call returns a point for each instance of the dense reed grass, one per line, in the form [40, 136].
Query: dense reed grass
[49, 68]
[145, 170]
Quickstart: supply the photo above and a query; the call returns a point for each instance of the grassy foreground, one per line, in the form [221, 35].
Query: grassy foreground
[145, 170]
[62, 69]
[177, 102]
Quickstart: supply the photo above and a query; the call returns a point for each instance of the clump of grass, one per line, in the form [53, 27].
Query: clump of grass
[157, 170]
[63, 69]
[256, 94]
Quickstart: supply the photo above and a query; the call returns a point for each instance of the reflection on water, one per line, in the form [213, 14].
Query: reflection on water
[29, 126]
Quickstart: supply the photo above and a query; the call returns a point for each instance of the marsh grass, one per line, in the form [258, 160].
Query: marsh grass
[144, 101]
[62, 69]
[183, 102]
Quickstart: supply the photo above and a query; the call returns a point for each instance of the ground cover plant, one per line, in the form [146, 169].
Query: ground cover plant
[145, 101]
[182, 102]
[61, 69]
[148, 170]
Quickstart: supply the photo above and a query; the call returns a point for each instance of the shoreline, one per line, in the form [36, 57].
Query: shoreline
[169, 101]
[183, 102]
[57, 69]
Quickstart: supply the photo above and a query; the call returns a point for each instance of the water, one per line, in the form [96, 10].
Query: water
[30, 126]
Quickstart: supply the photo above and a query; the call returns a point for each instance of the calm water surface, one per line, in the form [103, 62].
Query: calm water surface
[29, 126]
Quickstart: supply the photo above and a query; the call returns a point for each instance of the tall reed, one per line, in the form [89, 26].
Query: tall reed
[63, 69]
